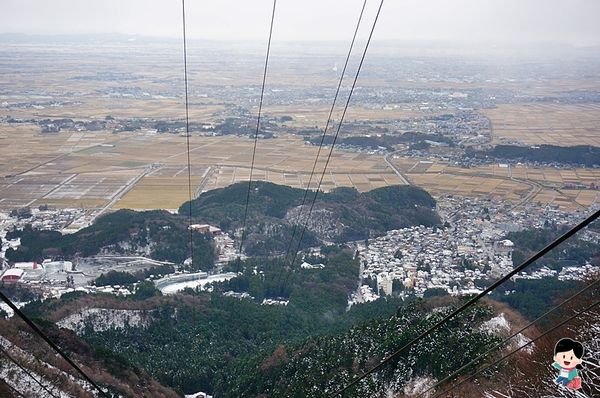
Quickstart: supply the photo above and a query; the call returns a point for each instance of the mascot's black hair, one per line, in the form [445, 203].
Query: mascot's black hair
[565, 345]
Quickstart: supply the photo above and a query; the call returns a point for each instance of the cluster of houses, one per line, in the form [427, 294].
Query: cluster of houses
[471, 247]
[422, 258]
[42, 217]
[38, 218]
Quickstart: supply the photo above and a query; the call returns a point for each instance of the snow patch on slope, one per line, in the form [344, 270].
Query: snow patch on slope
[18, 379]
[198, 395]
[418, 384]
[519, 341]
[25, 384]
[102, 319]
[498, 325]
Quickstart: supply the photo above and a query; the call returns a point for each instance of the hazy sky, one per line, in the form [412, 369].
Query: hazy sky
[522, 21]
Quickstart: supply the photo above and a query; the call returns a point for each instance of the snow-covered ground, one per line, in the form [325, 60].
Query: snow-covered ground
[26, 384]
[193, 284]
[8, 310]
[363, 295]
[29, 384]
[101, 319]
[419, 384]
[497, 325]
[198, 395]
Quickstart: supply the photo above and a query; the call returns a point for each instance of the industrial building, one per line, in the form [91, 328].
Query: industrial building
[12, 275]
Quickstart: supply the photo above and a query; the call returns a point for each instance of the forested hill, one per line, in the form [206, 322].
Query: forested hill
[322, 365]
[42, 373]
[586, 155]
[341, 215]
[158, 234]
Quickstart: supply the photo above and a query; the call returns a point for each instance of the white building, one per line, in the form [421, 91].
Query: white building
[384, 284]
[27, 265]
[57, 266]
[12, 275]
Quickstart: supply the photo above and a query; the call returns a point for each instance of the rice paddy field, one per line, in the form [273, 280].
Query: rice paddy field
[567, 188]
[146, 170]
[149, 171]
[553, 124]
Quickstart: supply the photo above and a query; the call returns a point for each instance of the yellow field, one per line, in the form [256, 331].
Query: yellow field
[316, 115]
[71, 203]
[141, 170]
[547, 186]
[75, 169]
[363, 182]
[554, 124]
[144, 171]
[157, 192]
[204, 110]
[441, 184]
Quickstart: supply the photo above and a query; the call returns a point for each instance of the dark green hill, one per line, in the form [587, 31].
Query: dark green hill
[267, 198]
[196, 335]
[163, 235]
[229, 347]
[586, 155]
[341, 215]
[111, 370]
[322, 365]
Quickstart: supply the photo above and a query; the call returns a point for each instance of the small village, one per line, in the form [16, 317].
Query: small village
[459, 258]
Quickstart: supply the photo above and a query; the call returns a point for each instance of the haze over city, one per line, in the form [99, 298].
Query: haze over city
[219, 223]
[471, 21]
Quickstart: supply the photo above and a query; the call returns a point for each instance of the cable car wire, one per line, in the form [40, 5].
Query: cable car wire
[577, 314]
[483, 355]
[262, 93]
[339, 126]
[14, 390]
[337, 91]
[475, 299]
[60, 352]
[187, 133]
[13, 360]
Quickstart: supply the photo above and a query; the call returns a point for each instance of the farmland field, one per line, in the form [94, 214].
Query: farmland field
[135, 85]
[567, 188]
[144, 171]
[553, 124]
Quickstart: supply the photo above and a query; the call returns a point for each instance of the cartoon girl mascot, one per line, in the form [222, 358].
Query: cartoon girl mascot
[568, 356]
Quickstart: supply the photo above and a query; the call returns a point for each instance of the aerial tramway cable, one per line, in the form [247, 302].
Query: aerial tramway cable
[509, 338]
[187, 133]
[39, 332]
[337, 91]
[262, 93]
[475, 299]
[32, 325]
[577, 314]
[27, 372]
[339, 126]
